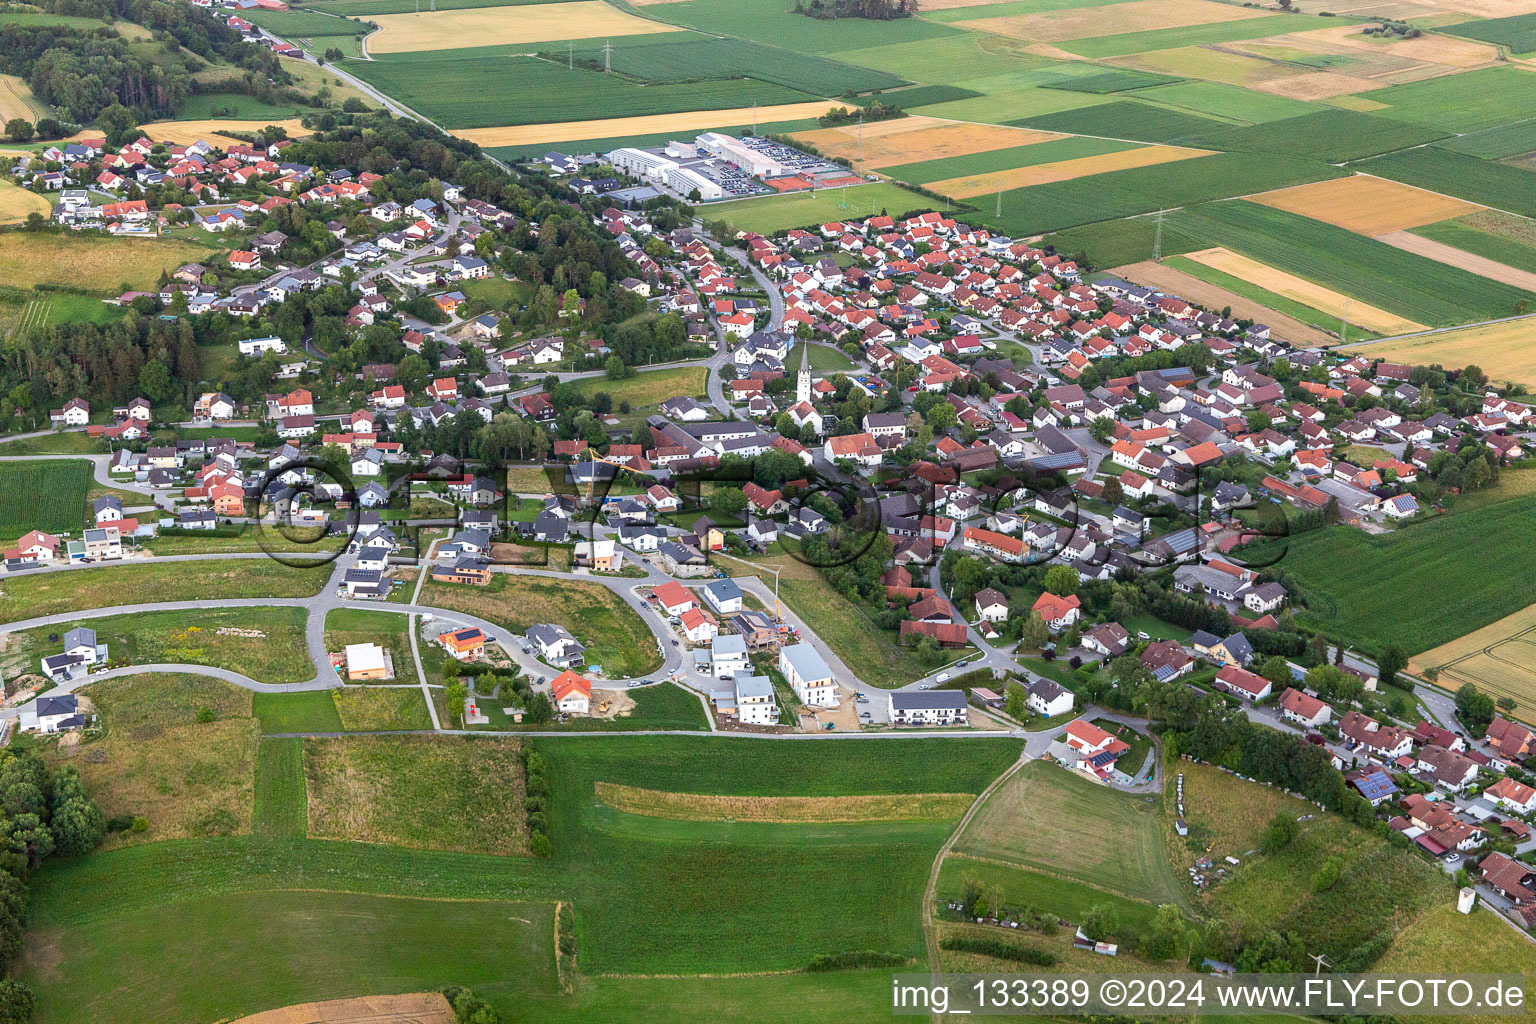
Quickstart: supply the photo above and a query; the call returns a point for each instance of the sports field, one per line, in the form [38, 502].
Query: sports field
[617, 128]
[910, 139]
[1367, 205]
[1306, 292]
[497, 26]
[1063, 170]
[1505, 351]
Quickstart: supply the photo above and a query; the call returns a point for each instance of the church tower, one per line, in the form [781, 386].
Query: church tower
[803, 384]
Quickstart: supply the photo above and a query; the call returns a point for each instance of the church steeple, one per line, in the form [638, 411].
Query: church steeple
[803, 384]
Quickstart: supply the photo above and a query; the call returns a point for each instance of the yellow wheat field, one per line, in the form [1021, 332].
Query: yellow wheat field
[1132, 16]
[1505, 351]
[16, 202]
[498, 26]
[16, 100]
[1500, 659]
[644, 124]
[184, 133]
[1305, 292]
[1367, 205]
[889, 143]
[1061, 170]
[657, 803]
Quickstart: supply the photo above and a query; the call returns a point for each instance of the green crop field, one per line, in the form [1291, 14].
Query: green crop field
[1125, 43]
[1113, 80]
[1125, 119]
[700, 58]
[280, 809]
[1220, 100]
[1279, 303]
[1331, 135]
[47, 495]
[307, 711]
[1470, 561]
[1515, 139]
[304, 24]
[1468, 102]
[359, 8]
[1439, 170]
[1061, 204]
[771, 21]
[1517, 32]
[1007, 8]
[1421, 289]
[919, 96]
[482, 92]
[924, 171]
[772, 214]
[1115, 243]
[1475, 240]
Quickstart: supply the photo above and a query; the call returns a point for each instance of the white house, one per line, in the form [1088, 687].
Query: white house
[930, 707]
[52, 714]
[260, 346]
[729, 656]
[1048, 698]
[698, 627]
[572, 693]
[724, 596]
[991, 605]
[808, 675]
[755, 704]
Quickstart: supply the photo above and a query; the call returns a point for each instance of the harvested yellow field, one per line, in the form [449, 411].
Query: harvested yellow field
[1322, 85]
[1305, 292]
[1357, 103]
[657, 803]
[95, 263]
[1133, 16]
[16, 202]
[16, 100]
[1367, 205]
[414, 1008]
[1505, 351]
[1461, 53]
[499, 26]
[645, 124]
[187, 132]
[1209, 64]
[1212, 296]
[1061, 170]
[1499, 659]
[931, 139]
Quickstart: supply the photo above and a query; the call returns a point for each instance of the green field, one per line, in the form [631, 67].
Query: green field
[702, 58]
[829, 360]
[47, 495]
[197, 637]
[308, 711]
[1279, 303]
[1468, 102]
[650, 387]
[615, 636]
[70, 442]
[919, 96]
[298, 24]
[1482, 243]
[239, 107]
[773, 214]
[1116, 840]
[925, 171]
[480, 92]
[359, 8]
[1514, 139]
[1116, 194]
[1330, 135]
[1217, 99]
[1400, 282]
[280, 808]
[771, 21]
[1125, 43]
[149, 582]
[834, 888]
[1125, 119]
[1439, 170]
[1114, 243]
[1353, 584]
[1113, 80]
[1025, 888]
[382, 709]
[513, 154]
[1517, 32]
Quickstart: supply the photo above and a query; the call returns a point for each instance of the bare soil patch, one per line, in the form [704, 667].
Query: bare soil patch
[1452, 256]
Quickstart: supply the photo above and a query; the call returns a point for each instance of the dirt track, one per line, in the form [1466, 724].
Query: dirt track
[412, 1008]
[1213, 296]
[1442, 253]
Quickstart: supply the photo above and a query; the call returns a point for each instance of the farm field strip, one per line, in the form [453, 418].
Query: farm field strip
[812, 809]
[1133, 16]
[1168, 278]
[1065, 170]
[496, 26]
[909, 139]
[1366, 205]
[1505, 350]
[1452, 256]
[1303, 291]
[1050, 151]
[1500, 658]
[644, 124]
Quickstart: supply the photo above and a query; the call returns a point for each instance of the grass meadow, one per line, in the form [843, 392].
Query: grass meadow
[148, 582]
[772, 214]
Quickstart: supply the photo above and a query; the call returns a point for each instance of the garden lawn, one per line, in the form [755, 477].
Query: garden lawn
[424, 792]
[650, 387]
[206, 636]
[47, 495]
[305, 711]
[615, 636]
[151, 582]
